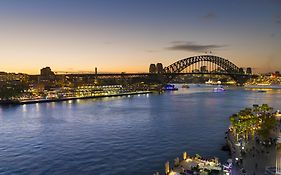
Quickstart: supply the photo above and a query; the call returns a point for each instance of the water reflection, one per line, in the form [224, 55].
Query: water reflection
[24, 106]
[37, 107]
[120, 135]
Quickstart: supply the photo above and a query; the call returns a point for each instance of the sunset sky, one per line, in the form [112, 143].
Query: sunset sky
[128, 35]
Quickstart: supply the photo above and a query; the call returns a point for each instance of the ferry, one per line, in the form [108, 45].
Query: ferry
[185, 86]
[170, 87]
[219, 89]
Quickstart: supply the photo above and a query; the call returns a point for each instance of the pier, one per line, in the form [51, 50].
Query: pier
[196, 165]
[31, 101]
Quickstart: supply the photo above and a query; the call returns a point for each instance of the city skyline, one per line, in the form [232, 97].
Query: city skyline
[128, 36]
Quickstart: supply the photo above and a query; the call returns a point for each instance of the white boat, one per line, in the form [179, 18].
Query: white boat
[185, 86]
[219, 89]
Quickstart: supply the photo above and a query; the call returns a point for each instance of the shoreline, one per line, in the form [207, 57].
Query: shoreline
[252, 156]
[33, 101]
[263, 86]
[251, 153]
[195, 165]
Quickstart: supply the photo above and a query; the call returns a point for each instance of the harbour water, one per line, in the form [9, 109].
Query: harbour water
[120, 135]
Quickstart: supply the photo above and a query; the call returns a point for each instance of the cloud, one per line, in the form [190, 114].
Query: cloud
[210, 16]
[191, 46]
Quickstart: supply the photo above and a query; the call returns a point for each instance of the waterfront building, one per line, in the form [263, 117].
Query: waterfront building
[8, 77]
[46, 72]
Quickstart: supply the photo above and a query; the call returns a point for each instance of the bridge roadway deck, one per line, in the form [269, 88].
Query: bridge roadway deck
[149, 74]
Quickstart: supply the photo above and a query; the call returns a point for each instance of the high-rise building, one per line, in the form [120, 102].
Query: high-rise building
[46, 72]
[96, 70]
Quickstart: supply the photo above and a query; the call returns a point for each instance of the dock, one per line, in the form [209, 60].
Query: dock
[32, 101]
[196, 165]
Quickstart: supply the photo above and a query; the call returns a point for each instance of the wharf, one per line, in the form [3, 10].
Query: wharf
[196, 165]
[32, 101]
[204, 166]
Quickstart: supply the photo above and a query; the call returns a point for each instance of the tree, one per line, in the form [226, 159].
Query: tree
[250, 121]
[11, 91]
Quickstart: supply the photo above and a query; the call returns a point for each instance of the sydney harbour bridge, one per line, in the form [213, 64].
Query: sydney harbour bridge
[203, 64]
[195, 65]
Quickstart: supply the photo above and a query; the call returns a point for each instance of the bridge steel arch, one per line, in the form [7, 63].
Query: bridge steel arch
[180, 65]
[230, 68]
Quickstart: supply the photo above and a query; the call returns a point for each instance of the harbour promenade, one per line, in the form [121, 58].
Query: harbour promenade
[253, 155]
[31, 101]
[252, 138]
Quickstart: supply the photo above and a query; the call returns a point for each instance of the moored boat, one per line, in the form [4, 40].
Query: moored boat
[170, 87]
[219, 89]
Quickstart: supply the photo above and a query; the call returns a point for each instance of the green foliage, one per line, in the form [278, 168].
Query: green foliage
[254, 120]
[10, 91]
[266, 126]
